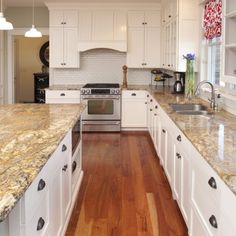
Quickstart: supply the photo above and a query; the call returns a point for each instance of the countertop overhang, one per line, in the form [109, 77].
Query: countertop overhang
[29, 134]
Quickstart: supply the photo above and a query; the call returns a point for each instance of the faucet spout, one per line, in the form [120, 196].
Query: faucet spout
[213, 99]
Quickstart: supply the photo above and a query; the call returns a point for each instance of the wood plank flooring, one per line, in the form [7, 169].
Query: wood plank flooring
[124, 191]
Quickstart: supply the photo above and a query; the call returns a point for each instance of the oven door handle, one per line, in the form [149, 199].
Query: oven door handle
[102, 98]
[108, 122]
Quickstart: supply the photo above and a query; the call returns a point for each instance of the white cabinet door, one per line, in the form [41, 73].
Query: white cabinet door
[169, 161]
[182, 180]
[156, 125]
[152, 47]
[135, 54]
[71, 54]
[153, 18]
[66, 18]
[163, 143]
[56, 47]
[144, 38]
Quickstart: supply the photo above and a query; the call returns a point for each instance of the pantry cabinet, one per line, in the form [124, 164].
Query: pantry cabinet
[134, 109]
[144, 38]
[64, 39]
[179, 18]
[229, 41]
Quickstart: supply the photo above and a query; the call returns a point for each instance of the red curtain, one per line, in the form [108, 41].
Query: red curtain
[212, 22]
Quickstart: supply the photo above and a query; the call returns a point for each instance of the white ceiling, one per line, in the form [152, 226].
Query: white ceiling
[24, 3]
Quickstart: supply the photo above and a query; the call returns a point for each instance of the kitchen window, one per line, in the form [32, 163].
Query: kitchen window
[211, 42]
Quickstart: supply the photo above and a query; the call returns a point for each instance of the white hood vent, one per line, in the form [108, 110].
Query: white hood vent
[120, 46]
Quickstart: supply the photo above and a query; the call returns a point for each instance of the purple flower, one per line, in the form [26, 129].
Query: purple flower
[189, 56]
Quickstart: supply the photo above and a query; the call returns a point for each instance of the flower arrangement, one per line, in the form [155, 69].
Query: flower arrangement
[189, 75]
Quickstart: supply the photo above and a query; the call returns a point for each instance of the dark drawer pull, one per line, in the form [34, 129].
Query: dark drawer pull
[64, 148]
[145, 102]
[62, 95]
[65, 167]
[150, 100]
[148, 96]
[212, 183]
[150, 109]
[156, 107]
[74, 165]
[178, 155]
[40, 224]
[163, 131]
[179, 138]
[133, 94]
[155, 114]
[41, 185]
[213, 221]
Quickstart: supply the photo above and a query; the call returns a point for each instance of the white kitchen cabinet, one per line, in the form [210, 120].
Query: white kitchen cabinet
[178, 20]
[163, 142]
[144, 38]
[229, 41]
[64, 39]
[134, 109]
[150, 115]
[62, 96]
[156, 127]
[102, 28]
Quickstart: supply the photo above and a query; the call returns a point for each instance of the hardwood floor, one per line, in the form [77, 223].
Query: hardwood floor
[124, 191]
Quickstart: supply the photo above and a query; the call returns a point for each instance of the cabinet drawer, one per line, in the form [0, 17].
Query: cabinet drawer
[63, 94]
[129, 94]
[39, 224]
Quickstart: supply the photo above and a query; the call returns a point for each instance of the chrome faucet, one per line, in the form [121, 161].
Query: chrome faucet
[213, 104]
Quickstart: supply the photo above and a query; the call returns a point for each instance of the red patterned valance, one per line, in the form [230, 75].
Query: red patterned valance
[212, 21]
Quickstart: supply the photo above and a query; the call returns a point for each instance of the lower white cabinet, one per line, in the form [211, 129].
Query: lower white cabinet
[44, 208]
[62, 96]
[134, 109]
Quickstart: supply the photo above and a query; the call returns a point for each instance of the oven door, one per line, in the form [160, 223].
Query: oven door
[101, 107]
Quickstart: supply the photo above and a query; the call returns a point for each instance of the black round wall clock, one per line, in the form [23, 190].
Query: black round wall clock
[44, 54]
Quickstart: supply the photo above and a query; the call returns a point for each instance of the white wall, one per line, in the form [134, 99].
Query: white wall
[100, 65]
[21, 17]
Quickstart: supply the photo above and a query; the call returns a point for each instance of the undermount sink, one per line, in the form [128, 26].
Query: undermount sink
[190, 109]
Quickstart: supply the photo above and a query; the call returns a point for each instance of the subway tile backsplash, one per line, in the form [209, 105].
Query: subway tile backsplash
[99, 66]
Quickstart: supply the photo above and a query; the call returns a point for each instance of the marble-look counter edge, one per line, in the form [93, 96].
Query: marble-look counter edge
[19, 178]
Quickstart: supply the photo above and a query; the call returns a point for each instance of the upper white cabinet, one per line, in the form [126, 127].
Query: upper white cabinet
[102, 28]
[64, 39]
[229, 41]
[144, 38]
[179, 18]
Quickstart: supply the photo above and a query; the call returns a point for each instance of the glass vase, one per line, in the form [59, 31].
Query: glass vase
[189, 80]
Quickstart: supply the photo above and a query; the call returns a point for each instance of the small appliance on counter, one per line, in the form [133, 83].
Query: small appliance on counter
[179, 83]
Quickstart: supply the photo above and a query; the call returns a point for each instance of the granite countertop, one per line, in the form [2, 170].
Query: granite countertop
[29, 134]
[213, 136]
[65, 87]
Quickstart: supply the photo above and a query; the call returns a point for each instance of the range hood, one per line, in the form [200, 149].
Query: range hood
[115, 45]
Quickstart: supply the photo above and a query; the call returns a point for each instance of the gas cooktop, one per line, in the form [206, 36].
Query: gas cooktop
[101, 85]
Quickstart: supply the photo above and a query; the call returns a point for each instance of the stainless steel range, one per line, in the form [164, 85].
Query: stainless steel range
[103, 107]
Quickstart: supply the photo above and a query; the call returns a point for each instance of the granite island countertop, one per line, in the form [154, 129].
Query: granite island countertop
[29, 134]
[214, 136]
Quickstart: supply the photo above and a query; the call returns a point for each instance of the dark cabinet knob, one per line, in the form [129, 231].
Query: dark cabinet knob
[179, 138]
[150, 100]
[156, 107]
[40, 224]
[213, 222]
[65, 167]
[178, 155]
[133, 94]
[169, 16]
[163, 131]
[155, 114]
[145, 102]
[41, 185]
[64, 148]
[74, 166]
[147, 95]
[62, 95]
[212, 183]
[150, 109]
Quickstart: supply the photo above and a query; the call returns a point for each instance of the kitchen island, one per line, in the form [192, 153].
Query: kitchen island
[30, 134]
